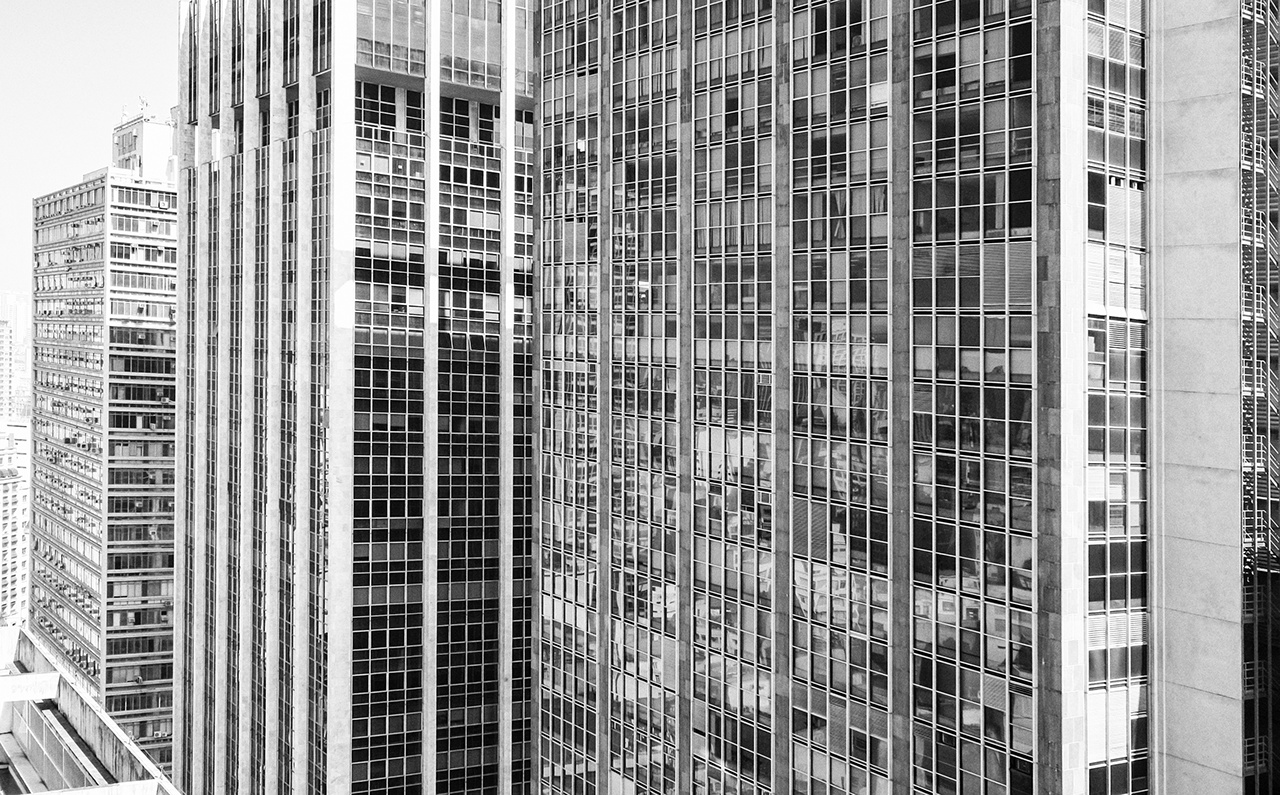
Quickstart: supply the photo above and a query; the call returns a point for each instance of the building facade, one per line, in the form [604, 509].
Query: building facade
[15, 359]
[355, 196]
[102, 432]
[15, 517]
[8, 342]
[904, 416]
[1214, 290]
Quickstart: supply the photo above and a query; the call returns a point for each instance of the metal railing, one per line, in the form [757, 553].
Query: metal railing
[1260, 459]
[1260, 310]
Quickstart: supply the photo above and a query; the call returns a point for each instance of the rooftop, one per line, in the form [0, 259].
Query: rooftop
[55, 738]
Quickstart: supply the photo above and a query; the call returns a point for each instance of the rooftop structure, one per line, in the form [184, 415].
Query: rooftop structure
[55, 737]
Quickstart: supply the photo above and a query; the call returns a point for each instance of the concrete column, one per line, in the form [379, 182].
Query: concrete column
[431, 393]
[781, 416]
[1059, 375]
[900, 386]
[1196, 483]
[604, 408]
[342, 387]
[506, 417]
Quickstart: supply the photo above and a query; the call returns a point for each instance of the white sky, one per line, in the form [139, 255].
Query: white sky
[67, 68]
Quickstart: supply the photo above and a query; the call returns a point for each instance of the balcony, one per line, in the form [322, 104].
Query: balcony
[1261, 316]
[1257, 233]
[1260, 166]
[1255, 80]
[1261, 467]
[1260, 396]
[1256, 680]
[1259, 11]
[1261, 542]
[1259, 230]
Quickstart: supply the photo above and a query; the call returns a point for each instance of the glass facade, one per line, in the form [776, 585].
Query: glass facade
[255, 182]
[743, 540]
[389, 537]
[792, 404]
[973, 391]
[372, 409]
[644, 608]
[1116, 263]
[810, 486]
[572, 405]
[841, 527]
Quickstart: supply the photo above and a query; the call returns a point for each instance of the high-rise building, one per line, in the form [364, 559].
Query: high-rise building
[357, 263]
[8, 342]
[893, 364]
[15, 361]
[102, 472]
[15, 512]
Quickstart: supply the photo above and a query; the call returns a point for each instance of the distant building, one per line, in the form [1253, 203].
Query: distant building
[101, 585]
[15, 455]
[15, 359]
[15, 378]
[7, 373]
[54, 737]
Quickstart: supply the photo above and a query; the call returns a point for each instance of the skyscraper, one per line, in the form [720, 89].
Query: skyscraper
[104, 289]
[15, 456]
[356, 275]
[890, 396]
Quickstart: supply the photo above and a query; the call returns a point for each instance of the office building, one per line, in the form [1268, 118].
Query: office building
[102, 471]
[8, 342]
[56, 737]
[15, 512]
[15, 361]
[356, 264]
[893, 364]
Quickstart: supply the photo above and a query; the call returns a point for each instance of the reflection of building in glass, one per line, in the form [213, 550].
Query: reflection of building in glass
[356, 195]
[847, 320]
[101, 589]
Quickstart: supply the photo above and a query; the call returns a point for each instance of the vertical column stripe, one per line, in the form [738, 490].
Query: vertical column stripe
[506, 406]
[900, 552]
[782, 408]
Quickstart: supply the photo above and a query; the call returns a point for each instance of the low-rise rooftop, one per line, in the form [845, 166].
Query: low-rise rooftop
[55, 738]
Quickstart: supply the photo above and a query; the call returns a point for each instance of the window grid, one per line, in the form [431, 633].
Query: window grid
[972, 358]
[389, 530]
[570, 425]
